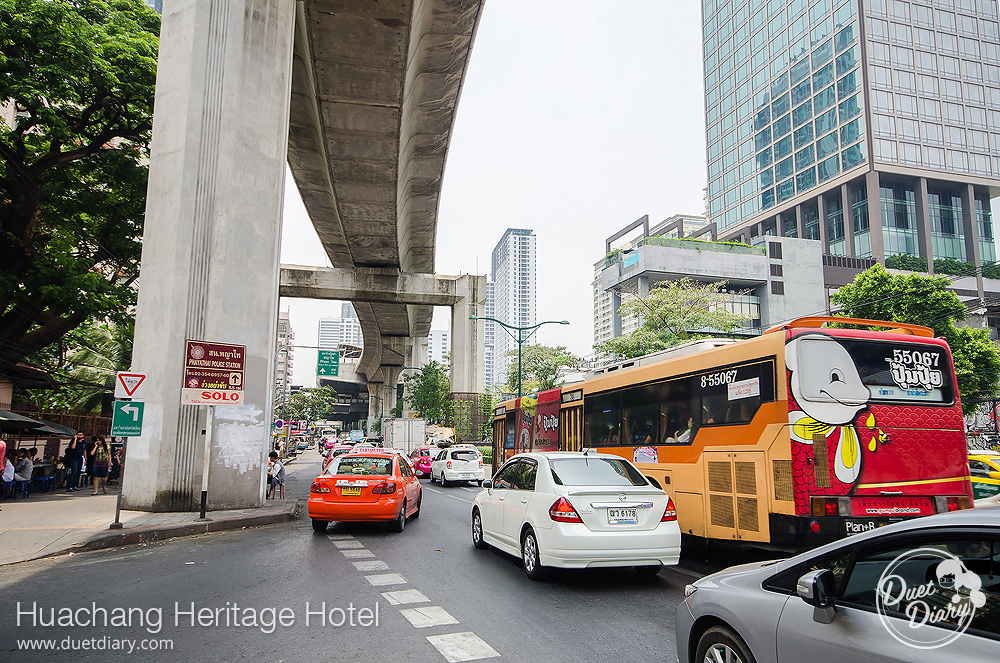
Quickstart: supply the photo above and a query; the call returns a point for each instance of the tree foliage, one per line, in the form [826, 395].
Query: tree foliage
[311, 404]
[93, 355]
[426, 391]
[877, 294]
[80, 75]
[540, 366]
[672, 313]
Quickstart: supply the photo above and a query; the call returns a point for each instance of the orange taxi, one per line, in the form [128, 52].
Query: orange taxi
[365, 485]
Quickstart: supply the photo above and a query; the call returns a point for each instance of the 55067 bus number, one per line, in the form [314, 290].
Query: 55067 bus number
[716, 379]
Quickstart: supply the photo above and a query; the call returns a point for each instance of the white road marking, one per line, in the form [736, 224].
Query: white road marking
[373, 565]
[357, 554]
[439, 492]
[386, 579]
[431, 615]
[348, 544]
[457, 647]
[340, 537]
[404, 596]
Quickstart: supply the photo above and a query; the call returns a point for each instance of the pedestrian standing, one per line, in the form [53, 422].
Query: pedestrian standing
[71, 459]
[100, 459]
[89, 460]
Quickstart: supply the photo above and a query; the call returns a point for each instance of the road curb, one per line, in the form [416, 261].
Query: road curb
[115, 539]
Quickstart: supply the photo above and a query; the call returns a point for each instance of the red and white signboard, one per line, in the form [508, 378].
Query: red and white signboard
[130, 385]
[213, 373]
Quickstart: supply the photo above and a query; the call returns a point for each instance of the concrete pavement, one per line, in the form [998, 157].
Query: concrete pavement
[58, 522]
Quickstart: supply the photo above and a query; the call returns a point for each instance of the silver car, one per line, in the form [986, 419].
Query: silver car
[923, 590]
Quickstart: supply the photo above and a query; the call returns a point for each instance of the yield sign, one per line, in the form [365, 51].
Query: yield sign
[127, 385]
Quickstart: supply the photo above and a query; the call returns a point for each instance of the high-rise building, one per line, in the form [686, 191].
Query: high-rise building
[438, 345]
[513, 276]
[283, 364]
[489, 329]
[345, 329]
[872, 126]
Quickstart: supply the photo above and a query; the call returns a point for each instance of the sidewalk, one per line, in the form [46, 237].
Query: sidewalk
[58, 522]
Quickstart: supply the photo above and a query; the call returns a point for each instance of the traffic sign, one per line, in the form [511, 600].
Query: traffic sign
[213, 373]
[328, 363]
[278, 423]
[126, 420]
[129, 385]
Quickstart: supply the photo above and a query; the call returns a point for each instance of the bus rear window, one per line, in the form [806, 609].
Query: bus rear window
[876, 371]
[595, 472]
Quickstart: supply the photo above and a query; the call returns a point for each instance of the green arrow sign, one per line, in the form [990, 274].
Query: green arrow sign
[127, 419]
[328, 363]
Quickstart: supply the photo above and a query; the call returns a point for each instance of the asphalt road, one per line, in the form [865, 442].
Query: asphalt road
[605, 615]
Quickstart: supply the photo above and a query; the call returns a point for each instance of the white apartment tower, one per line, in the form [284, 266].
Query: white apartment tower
[514, 300]
[345, 329]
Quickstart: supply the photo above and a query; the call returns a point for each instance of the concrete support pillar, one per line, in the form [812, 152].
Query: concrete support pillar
[924, 238]
[210, 245]
[376, 393]
[824, 229]
[970, 230]
[845, 202]
[468, 348]
[875, 220]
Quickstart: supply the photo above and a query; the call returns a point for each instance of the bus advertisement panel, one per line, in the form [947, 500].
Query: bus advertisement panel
[803, 435]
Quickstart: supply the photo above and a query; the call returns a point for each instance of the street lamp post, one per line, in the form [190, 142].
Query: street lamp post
[520, 338]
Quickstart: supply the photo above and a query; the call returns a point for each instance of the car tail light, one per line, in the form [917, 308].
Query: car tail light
[670, 513]
[319, 487]
[480, 462]
[449, 463]
[385, 488]
[562, 511]
[830, 506]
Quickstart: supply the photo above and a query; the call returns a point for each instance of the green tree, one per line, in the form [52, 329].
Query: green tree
[540, 366]
[80, 75]
[311, 404]
[877, 294]
[92, 356]
[426, 391]
[672, 313]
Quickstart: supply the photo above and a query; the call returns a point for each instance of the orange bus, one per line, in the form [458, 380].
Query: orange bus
[802, 435]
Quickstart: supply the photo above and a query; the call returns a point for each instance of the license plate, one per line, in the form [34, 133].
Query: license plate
[350, 490]
[623, 516]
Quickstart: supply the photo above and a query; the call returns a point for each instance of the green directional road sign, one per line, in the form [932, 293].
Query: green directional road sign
[127, 419]
[328, 363]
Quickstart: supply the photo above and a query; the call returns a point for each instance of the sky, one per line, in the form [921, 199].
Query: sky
[576, 118]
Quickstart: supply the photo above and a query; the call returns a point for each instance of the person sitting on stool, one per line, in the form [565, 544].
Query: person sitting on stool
[277, 474]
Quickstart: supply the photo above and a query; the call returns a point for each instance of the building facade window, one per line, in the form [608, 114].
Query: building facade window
[947, 238]
[835, 225]
[899, 219]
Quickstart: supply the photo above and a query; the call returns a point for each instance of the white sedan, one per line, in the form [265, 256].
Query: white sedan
[576, 510]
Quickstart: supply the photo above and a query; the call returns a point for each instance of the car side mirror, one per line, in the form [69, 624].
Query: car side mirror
[488, 485]
[994, 475]
[817, 588]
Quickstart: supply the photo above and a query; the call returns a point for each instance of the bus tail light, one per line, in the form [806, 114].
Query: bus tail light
[670, 513]
[319, 487]
[562, 511]
[945, 504]
[384, 488]
[830, 506]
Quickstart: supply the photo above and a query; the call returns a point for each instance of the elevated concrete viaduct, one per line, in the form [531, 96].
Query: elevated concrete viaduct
[359, 99]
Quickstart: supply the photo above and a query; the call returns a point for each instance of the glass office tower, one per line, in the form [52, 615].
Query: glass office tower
[870, 125]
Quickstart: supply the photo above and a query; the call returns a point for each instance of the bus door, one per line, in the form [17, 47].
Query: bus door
[736, 499]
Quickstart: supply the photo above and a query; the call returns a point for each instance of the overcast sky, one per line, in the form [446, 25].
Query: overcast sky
[576, 118]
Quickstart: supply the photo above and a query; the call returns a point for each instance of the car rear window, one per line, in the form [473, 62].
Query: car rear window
[361, 466]
[595, 472]
[465, 455]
